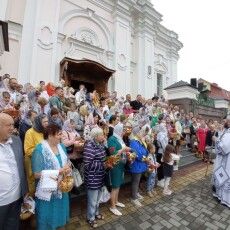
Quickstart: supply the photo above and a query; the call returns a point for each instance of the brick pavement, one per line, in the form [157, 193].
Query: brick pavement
[191, 206]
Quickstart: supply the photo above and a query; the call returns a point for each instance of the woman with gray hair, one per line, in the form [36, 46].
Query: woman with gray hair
[94, 171]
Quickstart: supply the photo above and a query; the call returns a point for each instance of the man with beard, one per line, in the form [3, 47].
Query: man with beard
[221, 175]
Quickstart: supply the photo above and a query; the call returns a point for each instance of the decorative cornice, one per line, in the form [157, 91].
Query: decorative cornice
[61, 37]
[106, 5]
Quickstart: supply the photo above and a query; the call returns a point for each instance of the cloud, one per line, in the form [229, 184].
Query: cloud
[203, 28]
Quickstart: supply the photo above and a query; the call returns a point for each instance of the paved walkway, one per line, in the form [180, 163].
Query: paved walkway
[191, 206]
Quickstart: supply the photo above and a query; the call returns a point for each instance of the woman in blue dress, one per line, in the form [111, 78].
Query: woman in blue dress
[52, 207]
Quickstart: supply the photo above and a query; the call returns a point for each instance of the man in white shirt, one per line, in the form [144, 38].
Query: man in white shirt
[13, 185]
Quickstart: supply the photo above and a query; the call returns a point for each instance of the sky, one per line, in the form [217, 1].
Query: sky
[203, 27]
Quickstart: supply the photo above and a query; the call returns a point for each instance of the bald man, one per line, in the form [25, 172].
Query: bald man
[13, 185]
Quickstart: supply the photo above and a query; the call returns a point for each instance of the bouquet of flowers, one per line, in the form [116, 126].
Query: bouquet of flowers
[145, 159]
[152, 167]
[131, 156]
[112, 161]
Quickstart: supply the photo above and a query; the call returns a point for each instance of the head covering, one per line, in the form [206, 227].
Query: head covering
[117, 132]
[67, 126]
[161, 128]
[95, 132]
[118, 129]
[136, 130]
[27, 88]
[37, 124]
[89, 120]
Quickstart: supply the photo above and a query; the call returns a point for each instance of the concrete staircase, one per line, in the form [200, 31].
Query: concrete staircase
[187, 158]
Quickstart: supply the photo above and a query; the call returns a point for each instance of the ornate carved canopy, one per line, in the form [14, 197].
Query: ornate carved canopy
[85, 71]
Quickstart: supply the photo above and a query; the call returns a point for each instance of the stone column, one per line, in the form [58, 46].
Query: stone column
[39, 41]
[145, 63]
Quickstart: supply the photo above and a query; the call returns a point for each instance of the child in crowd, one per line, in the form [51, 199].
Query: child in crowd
[169, 158]
[152, 172]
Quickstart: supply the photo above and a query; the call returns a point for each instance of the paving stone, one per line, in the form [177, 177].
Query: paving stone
[166, 224]
[219, 224]
[216, 217]
[211, 226]
[174, 222]
[145, 225]
[119, 227]
[186, 209]
[157, 226]
[144, 217]
[107, 226]
[184, 222]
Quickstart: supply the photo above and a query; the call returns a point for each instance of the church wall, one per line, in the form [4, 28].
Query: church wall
[44, 32]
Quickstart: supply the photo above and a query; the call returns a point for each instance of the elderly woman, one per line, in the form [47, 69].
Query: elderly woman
[138, 167]
[33, 100]
[117, 146]
[49, 160]
[33, 137]
[91, 122]
[94, 171]
[127, 110]
[70, 137]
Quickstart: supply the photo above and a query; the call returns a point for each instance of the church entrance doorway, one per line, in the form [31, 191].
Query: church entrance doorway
[93, 75]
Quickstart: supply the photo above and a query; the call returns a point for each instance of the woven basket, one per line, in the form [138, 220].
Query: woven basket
[66, 184]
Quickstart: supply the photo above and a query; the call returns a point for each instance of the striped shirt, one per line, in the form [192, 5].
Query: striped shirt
[94, 171]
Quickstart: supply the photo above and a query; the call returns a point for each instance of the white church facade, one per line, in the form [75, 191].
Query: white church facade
[124, 38]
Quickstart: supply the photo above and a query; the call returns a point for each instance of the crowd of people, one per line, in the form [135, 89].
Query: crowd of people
[104, 136]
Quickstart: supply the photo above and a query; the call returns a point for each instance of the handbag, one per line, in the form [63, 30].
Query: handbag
[105, 195]
[76, 177]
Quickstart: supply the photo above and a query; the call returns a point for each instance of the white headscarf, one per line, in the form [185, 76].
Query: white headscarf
[117, 132]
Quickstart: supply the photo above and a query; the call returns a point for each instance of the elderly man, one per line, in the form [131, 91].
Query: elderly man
[13, 185]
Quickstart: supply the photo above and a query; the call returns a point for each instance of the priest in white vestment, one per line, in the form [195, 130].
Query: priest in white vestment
[221, 174]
